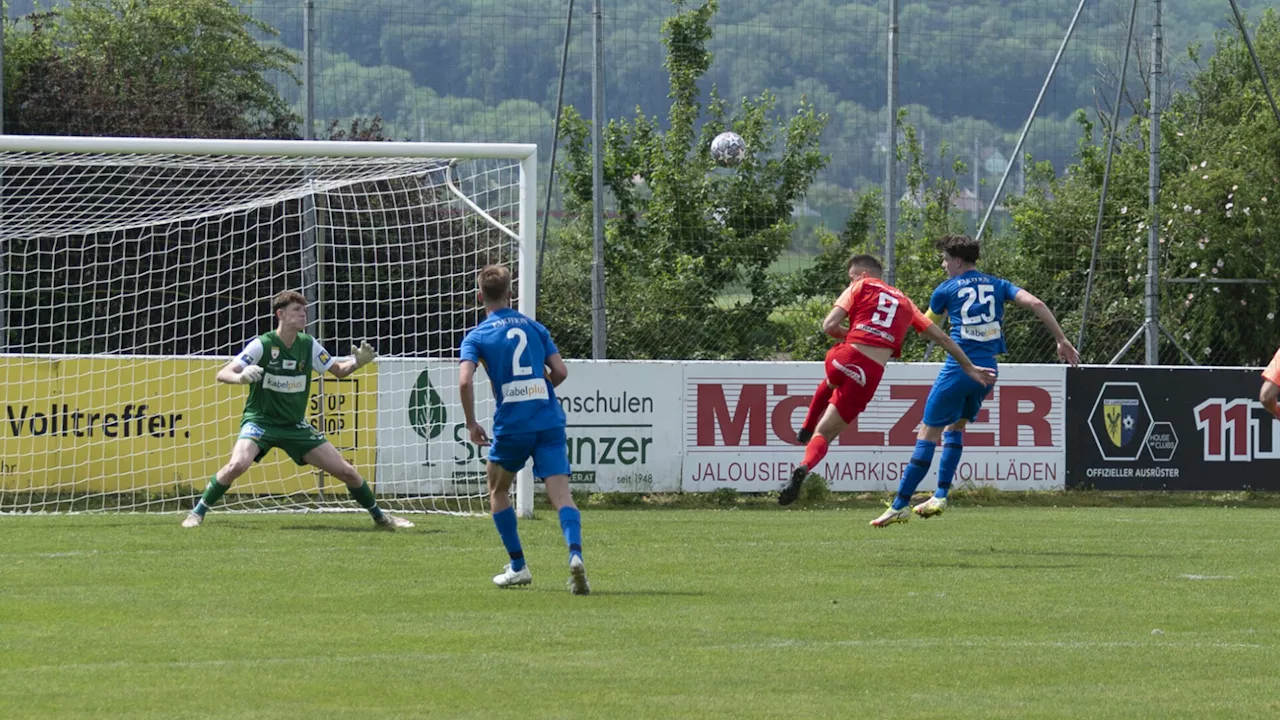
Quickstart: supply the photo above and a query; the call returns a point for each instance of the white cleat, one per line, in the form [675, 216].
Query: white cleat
[511, 578]
[892, 516]
[931, 507]
[578, 584]
[387, 521]
[192, 520]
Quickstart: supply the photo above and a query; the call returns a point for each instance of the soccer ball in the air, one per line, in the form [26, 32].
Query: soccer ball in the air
[728, 149]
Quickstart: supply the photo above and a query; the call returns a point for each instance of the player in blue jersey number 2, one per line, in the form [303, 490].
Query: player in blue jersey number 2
[974, 303]
[524, 368]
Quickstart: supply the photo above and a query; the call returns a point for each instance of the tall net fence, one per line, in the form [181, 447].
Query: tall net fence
[738, 263]
[131, 278]
[1065, 55]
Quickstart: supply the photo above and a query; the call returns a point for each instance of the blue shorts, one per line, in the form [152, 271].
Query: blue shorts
[955, 396]
[548, 448]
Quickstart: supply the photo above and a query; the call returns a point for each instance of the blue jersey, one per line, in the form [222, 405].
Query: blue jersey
[514, 351]
[974, 302]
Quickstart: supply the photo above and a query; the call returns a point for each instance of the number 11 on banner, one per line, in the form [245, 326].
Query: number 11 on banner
[1237, 430]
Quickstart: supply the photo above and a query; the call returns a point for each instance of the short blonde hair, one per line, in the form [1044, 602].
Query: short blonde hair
[494, 282]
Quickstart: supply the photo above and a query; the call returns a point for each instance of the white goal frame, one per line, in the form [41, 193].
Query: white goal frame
[525, 153]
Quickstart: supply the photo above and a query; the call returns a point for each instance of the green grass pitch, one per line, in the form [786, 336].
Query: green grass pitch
[984, 613]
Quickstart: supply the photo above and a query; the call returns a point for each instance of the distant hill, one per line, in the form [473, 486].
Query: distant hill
[487, 69]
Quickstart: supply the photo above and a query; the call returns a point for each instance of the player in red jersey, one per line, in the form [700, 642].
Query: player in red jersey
[1271, 386]
[879, 316]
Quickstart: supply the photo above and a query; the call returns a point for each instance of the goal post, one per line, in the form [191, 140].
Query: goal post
[131, 269]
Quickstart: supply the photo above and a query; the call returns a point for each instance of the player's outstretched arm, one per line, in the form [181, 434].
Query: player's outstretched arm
[1270, 392]
[233, 373]
[933, 333]
[360, 356]
[557, 371]
[1066, 351]
[467, 393]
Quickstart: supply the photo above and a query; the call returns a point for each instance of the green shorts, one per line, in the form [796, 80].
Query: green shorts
[296, 440]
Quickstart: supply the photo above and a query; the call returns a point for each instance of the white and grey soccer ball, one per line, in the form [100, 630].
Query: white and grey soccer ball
[728, 149]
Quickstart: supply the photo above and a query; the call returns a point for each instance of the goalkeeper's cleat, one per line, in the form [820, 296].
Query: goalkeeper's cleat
[578, 584]
[192, 520]
[511, 578]
[387, 521]
[892, 516]
[931, 507]
[804, 436]
[792, 490]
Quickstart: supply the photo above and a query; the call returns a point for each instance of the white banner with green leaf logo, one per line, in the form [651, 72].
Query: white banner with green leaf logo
[623, 421]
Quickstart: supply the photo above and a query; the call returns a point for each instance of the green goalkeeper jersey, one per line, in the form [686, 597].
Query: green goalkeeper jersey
[280, 398]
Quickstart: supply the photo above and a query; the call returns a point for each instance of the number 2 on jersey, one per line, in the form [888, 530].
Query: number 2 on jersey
[886, 309]
[522, 342]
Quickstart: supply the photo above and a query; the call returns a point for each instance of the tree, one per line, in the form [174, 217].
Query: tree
[1219, 232]
[145, 68]
[689, 245]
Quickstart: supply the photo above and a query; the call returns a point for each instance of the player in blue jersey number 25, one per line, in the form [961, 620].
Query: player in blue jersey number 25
[974, 303]
[524, 368]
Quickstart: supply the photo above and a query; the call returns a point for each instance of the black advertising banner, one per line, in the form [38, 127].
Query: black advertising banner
[1169, 429]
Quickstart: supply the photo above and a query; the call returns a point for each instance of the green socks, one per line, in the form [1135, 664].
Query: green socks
[364, 496]
[212, 494]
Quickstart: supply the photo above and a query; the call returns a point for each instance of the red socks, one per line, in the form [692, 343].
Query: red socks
[815, 451]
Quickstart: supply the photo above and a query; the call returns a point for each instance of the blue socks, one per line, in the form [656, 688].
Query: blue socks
[505, 521]
[921, 461]
[952, 447]
[571, 526]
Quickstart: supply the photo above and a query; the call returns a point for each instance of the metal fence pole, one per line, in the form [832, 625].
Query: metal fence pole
[598, 345]
[555, 142]
[977, 179]
[310, 256]
[1053, 69]
[308, 70]
[891, 156]
[4, 20]
[4, 249]
[312, 272]
[1106, 177]
[1244, 32]
[1153, 196]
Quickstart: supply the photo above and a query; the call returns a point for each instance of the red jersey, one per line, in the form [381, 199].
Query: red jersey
[879, 315]
[1272, 372]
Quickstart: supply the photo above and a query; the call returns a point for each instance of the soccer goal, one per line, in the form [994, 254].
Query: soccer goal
[132, 269]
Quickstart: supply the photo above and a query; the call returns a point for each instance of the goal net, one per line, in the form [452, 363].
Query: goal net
[131, 270]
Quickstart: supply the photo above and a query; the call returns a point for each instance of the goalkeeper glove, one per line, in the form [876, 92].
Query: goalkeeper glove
[251, 374]
[363, 354]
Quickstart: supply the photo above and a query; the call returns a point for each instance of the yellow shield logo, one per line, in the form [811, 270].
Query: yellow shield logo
[1120, 415]
[1111, 416]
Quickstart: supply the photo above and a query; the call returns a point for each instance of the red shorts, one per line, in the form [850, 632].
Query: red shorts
[855, 377]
